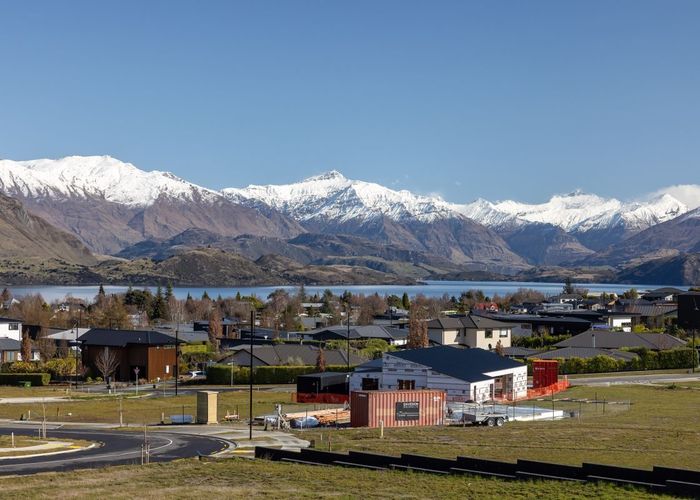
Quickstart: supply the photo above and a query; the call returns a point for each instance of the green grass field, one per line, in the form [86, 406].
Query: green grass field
[243, 478]
[648, 425]
[103, 408]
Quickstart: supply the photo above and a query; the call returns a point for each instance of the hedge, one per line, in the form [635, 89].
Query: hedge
[221, 374]
[647, 360]
[36, 379]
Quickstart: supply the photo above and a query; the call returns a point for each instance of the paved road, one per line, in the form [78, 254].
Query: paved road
[115, 448]
[657, 378]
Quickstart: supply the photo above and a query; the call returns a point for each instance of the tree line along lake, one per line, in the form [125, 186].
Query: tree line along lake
[428, 288]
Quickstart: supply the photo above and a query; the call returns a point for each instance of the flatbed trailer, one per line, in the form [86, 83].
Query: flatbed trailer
[485, 417]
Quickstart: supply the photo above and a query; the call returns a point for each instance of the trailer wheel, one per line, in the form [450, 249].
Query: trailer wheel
[490, 422]
[500, 421]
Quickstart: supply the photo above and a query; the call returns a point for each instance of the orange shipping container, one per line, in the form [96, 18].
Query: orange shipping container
[397, 408]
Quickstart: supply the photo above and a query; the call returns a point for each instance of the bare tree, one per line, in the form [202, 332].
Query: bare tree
[45, 345]
[107, 362]
[417, 328]
[214, 328]
[320, 360]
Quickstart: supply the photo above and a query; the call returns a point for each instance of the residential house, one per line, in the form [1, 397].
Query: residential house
[470, 331]
[464, 374]
[393, 336]
[11, 329]
[152, 353]
[584, 353]
[617, 340]
[665, 294]
[10, 350]
[526, 325]
[289, 354]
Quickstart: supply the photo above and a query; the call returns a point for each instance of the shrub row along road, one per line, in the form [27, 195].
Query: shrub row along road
[114, 448]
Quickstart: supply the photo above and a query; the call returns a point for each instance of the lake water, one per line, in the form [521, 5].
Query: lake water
[429, 289]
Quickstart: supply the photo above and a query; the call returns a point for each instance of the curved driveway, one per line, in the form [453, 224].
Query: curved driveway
[114, 448]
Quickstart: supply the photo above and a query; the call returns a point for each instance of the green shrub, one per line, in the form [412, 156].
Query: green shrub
[36, 379]
[221, 374]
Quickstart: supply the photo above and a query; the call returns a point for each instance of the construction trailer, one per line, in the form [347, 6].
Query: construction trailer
[397, 408]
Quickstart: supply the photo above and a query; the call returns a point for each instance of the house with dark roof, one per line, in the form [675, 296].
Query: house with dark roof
[11, 329]
[471, 331]
[665, 294]
[152, 353]
[393, 336]
[584, 353]
[10, 350]
[525, 325]
[617, 340]
[289, 354]
[464, 374]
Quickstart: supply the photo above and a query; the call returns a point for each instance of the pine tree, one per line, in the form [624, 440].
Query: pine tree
[101, 291]
[238, 296]
[168, 291]
[205, 296]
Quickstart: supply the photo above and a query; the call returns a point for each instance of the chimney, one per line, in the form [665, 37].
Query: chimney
[593, 339]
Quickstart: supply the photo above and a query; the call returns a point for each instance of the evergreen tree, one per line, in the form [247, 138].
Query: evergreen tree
[101, 291]
[568, 286]
[205, 296]
[238, 296]
[405, 301]
[168, 291]
[159, 306]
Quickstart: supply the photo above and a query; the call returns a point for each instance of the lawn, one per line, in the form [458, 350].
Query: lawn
[105, 408]
[646, 426]
[243, 478]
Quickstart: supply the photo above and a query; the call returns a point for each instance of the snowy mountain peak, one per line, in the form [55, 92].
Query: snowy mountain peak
[331, 175]
[331, 196]
[94, 176]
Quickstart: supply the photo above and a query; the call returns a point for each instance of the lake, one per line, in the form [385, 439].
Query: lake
[429, 289]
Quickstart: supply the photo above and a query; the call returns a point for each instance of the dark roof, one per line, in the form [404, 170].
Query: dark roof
[585, 353]
[470, 365]
[7, 344]
[121, 338]
[276, 355]
[374, 365]
[542, 320]
[617, 340]
[468, 321]
[10, 320]
[360, 332]
[650, 310]
[519, 352]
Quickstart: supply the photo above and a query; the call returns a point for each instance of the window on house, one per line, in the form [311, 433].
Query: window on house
[13, 326]
[407, 385]
[370, 384]
[504, 333]
[489, 333]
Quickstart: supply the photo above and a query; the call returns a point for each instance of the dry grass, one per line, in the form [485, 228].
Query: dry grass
[242, 478]
[659, 427]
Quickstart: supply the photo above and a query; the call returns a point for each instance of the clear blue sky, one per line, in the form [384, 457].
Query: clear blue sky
[506, 99]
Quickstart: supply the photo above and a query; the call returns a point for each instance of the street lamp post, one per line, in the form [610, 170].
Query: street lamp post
[75, 347]
[230, 364]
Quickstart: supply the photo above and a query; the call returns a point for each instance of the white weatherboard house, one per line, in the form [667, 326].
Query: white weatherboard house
[11, 329]
[464, 374]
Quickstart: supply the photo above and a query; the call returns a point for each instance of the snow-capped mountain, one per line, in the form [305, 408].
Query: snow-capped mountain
[110, 204]
[332, 204]
[331, 196]
[577, 212]
[95, 177]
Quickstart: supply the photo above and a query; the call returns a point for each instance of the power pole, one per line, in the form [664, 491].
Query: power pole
[250, 376]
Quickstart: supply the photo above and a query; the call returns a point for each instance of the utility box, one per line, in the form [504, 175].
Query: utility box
[545, 372]
[207, 407]
[397, 408]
